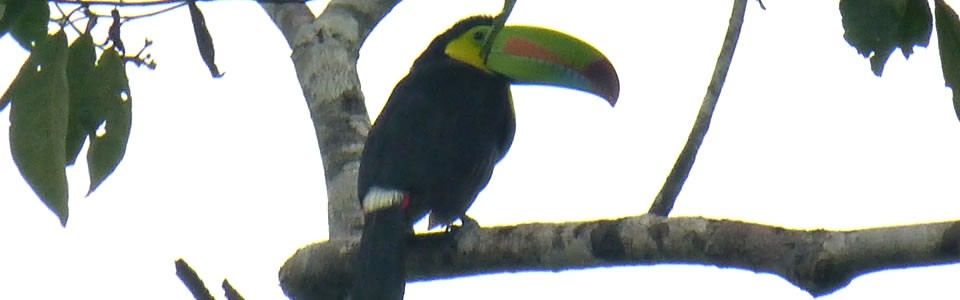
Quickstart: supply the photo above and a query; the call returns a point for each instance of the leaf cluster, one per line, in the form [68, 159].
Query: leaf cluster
[877, 27]
[65, 95]
[62, 96]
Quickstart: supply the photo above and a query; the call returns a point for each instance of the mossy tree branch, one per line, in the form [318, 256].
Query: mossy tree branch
[817, 261]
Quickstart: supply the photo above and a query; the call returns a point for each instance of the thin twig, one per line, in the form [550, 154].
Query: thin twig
[192, 281]
[498, 23]
[116, 2]
[66, 17]
[149, 14]
[230, 292]
[155, 2]
[681, 169]
[134, 16]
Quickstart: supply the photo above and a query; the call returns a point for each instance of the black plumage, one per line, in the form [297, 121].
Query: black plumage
[437, 140]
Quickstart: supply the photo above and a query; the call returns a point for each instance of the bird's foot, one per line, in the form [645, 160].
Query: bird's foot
[469, 223]
[466, 223]
[467, 230]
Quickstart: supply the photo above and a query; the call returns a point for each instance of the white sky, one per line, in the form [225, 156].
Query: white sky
[226, 173]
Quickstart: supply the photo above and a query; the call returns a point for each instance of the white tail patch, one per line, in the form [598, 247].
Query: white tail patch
[378, 198]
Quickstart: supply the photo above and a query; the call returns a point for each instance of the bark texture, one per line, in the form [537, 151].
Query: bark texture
[817, 261]
[325, 52]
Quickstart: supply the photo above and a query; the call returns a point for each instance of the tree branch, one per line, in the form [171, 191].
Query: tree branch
[192, 280]
[325, 58]
[289, 18]
[817, 261]
[150, 3]
[498, 23]
[664, 201]
[230, 291]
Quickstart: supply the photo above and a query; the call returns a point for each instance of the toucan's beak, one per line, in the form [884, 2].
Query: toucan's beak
[536, 55]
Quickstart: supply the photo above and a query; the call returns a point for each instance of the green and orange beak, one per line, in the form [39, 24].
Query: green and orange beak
[535, 55]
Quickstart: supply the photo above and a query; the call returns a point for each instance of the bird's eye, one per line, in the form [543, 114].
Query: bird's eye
[478, 36]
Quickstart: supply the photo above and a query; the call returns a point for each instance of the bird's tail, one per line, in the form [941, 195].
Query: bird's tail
[380, 272]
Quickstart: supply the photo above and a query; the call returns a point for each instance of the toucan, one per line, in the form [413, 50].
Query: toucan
[447, 123]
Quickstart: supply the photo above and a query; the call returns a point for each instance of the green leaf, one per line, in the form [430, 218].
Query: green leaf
[81, 79]
[915, 26]
[877, 27]
[4, 100]
[38, 122]
[27, 21]
[948, 38]
[107, 149]
[204, 41]
[4, 20]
